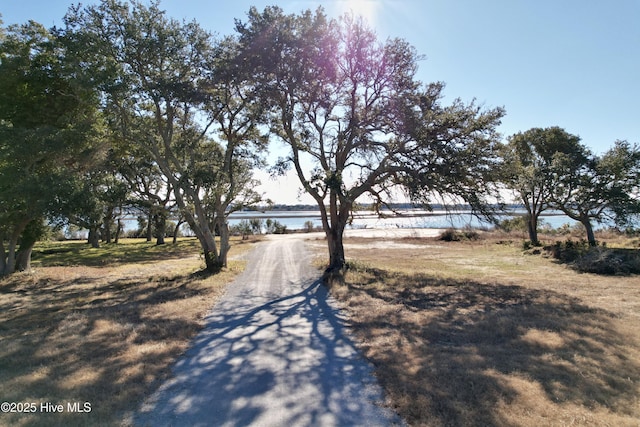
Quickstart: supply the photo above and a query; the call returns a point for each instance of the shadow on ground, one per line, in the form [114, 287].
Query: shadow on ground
[81, 340]
[279, 361]
[451, 353]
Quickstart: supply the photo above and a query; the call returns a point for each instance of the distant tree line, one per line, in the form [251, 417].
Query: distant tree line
[126, 109]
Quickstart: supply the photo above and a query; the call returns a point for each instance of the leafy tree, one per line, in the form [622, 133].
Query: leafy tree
[49, 130]
[596, 188]
[150, 189]
[95, 203]
[256, 225]
[238, 111]
[167, 101]
[355, 119]
[528, 157]
[619, 171]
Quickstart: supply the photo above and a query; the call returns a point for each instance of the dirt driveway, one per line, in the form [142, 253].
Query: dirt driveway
[274, 353]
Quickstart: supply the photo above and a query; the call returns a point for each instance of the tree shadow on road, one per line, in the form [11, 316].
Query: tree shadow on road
[280, 361]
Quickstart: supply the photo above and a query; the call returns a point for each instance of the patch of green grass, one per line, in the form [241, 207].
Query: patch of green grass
[69, 253]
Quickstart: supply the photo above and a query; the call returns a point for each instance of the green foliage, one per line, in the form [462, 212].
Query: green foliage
[568, 251]
[515, 223]
[243, 228]
[527, 169]
[596, 188]
[598, 260]
[256, 225]
[454, 235]
[351, 105]
[275, 227]
[308, 226]
[184, 105]
[50, 130]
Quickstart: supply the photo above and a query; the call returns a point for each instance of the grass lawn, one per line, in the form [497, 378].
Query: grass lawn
[480, 333]
[100, 326]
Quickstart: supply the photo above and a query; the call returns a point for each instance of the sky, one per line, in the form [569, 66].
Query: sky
[568, 63]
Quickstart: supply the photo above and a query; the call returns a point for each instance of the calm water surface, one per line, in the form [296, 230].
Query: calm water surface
[295, 220]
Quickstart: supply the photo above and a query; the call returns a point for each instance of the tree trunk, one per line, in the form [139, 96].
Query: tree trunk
[9, 259]
[23, 257]
[336, 250]
[199, 224]
[3, 255]
[10, 265]
[107, 229]
[212, 264]
[94, 236]
[223, 229]
[160, 221]
[532, 228]
[339, 214]
[176, 231]
[118, 231]
[207, 242]
[591, 238]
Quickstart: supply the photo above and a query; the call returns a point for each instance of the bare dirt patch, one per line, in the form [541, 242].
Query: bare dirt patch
[102, 335]
[479, 333]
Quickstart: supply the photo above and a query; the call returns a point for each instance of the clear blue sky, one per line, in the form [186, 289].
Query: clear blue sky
[568, 63]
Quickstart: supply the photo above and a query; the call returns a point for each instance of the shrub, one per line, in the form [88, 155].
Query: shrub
[243, 228]
[601, 260]
[567, 251]
[598, 260]
[453, 235]
[516, 223]
[449, 235]
[280, 228]
[275, 227]
[308, 226]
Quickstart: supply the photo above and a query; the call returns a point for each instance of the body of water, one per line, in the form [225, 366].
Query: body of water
[295, 220]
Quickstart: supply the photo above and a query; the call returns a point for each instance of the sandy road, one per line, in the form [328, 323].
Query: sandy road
[273, 353]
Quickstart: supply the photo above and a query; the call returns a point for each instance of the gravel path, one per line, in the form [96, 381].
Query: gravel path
[273, 353]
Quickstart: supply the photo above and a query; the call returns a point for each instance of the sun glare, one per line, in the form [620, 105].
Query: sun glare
[368, 9]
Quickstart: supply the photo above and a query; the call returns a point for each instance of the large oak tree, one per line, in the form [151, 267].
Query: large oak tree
[356, 120]
[590, 188]
[528, 158]
[50, 130]
[164, 95]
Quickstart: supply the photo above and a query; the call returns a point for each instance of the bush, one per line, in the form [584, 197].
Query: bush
[275, 227]
[567, 251]
[453, 235]
[309, 227]
[243, 228]
[613, 262]
[598, 260]
[516, 223]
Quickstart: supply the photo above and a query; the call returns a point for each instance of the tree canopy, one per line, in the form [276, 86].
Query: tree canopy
[50, 131]
[597, 188]
[357, 121]
[527, 168]
[127, 106]
[165, 96]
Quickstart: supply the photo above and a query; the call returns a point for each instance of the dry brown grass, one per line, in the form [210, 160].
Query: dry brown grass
[103, 335]
[478, 333]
